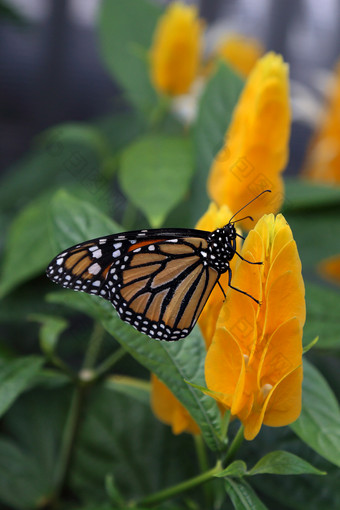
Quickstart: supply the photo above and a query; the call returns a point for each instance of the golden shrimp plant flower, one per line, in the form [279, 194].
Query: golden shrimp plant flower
[256, 144]
[323, 157]
[176, 50]
[240, 52]
[254, 363]
[169, 409]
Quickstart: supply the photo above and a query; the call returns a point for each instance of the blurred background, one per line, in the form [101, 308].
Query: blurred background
[50, 69]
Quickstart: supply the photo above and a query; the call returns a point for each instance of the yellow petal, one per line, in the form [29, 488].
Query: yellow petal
[282, 353]
[169, 410]
[282, 405]
[224, 365]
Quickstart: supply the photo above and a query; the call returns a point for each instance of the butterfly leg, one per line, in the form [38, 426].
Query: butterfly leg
[249, 262]
[239, 290]
[221, 289]
[245, 260]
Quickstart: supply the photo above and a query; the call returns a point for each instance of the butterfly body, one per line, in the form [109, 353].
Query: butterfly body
[157, 280]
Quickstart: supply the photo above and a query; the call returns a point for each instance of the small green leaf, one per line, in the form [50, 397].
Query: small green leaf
[113, 491]
[15, 377]
[242, 495]
[129, 386]
[283, 463]
[125, 32]
[214, 115]
[51, 329]
[237, 468]
[319, 422]
[155, 174]
[73, 221]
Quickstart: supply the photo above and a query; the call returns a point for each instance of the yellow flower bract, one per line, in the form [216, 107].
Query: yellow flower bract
[240, 52]
[176, 50]
[256, 145]
[169, 409]
[254, 363]
[323, 158]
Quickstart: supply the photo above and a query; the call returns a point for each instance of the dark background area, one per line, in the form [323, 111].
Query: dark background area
[50, 70]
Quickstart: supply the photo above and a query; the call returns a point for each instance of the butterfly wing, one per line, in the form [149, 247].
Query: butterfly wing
[157, 280]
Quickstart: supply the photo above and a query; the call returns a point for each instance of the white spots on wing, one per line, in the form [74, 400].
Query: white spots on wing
[102, 241]
[151, 247]
[59, 261]
[94, 268]
[117, 245]
[116, 254]
[97, 254]
[96, 283]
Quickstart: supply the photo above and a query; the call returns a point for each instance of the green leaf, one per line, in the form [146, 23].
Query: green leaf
[69, 154]
[323, 311]
[303, 194]
[237, 468]
[155, 174]
[214, 115]
[172, 362]
[27, 251]
[29, 445]
[242, 495]
[120, 437]
[125, 32]
[319, 422]
[73, 221]
[51, 329]
[15, 377]
[283, 463]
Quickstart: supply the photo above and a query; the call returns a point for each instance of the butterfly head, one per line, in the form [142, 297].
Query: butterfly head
[221, 247]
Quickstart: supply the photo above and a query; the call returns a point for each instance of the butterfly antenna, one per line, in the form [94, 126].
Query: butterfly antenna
[265, 191]
[245, 218]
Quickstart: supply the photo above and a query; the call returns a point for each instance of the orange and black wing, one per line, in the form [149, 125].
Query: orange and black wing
[158, 281]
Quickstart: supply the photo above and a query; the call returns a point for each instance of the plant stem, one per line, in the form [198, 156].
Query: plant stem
[235, 445]
[93, 346]
[203, 463]
[160, 496]
[109, 362]
[69, 434]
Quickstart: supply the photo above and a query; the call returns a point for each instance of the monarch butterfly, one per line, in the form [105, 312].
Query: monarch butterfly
[157, 280]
